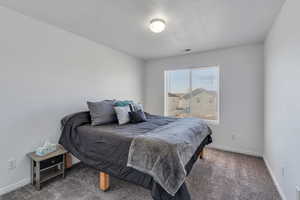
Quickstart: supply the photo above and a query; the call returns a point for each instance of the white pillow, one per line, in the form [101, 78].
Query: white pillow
[138, 106]
[122, 114]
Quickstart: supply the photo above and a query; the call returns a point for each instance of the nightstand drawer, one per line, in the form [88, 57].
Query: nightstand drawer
[50, 162]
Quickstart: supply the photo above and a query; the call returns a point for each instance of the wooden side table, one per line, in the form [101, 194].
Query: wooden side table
[47, 167]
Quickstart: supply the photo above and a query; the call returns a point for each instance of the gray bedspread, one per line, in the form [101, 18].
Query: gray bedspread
[106, 148]
[164, 151]
[109, 142]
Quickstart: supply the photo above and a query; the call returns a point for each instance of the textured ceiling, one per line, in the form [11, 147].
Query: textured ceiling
[200, 25]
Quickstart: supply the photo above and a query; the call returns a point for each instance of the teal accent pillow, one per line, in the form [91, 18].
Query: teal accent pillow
[123, 103]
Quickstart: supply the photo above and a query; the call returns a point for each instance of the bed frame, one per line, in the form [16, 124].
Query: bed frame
[103, 177]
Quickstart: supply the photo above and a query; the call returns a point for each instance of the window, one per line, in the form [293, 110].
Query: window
[193, 93]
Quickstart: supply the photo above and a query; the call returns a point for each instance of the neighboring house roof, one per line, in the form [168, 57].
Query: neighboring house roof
[175, 95]
[197, 91]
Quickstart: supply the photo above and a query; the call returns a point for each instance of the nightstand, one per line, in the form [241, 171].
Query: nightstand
[47, 167]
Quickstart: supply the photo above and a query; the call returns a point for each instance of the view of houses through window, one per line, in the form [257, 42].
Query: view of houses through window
[193, 93]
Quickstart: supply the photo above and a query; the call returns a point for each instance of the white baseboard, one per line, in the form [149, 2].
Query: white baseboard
[14, 186]
[279, 189]
[75, 160]
[230, 149]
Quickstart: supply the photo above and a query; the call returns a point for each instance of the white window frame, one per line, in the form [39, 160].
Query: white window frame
[213, 122]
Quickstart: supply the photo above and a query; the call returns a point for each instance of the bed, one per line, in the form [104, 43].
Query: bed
[107, 149]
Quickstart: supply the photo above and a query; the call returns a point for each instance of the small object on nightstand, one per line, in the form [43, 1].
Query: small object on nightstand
[46, 149]
[48, 166]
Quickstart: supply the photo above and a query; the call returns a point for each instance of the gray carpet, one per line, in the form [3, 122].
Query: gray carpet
[220, 176]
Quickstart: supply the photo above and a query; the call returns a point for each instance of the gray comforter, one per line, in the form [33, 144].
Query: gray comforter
[164, 151]
[106, 148]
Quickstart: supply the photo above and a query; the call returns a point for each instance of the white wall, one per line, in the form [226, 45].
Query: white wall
[282, 99]
[241, 74]
[47, 73]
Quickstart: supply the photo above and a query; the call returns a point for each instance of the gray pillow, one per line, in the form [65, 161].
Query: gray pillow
[122, 114]
[102, 112]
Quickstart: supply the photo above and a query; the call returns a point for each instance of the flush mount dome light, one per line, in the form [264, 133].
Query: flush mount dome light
[157, 25]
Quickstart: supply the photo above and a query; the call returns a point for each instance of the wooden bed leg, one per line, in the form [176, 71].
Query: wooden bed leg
[201, 154]
[68, 161]
[103, 181]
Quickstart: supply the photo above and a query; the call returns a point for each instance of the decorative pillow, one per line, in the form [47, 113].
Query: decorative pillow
[138, 106]
[137, 116]
[123, 103]
[102, 112]
[122, 114]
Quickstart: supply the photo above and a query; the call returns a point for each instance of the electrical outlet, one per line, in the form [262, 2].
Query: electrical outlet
[12, 164]
[297, 193]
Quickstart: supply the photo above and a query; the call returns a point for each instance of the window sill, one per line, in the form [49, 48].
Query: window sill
[211, 122]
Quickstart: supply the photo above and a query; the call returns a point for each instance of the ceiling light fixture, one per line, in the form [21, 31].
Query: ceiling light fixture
[157, 25]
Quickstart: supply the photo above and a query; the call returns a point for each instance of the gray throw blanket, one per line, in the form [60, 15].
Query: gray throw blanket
[164, 151]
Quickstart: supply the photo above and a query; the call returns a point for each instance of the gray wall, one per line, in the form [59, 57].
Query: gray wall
[282, 100]
[241, 101]
[47, 73]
